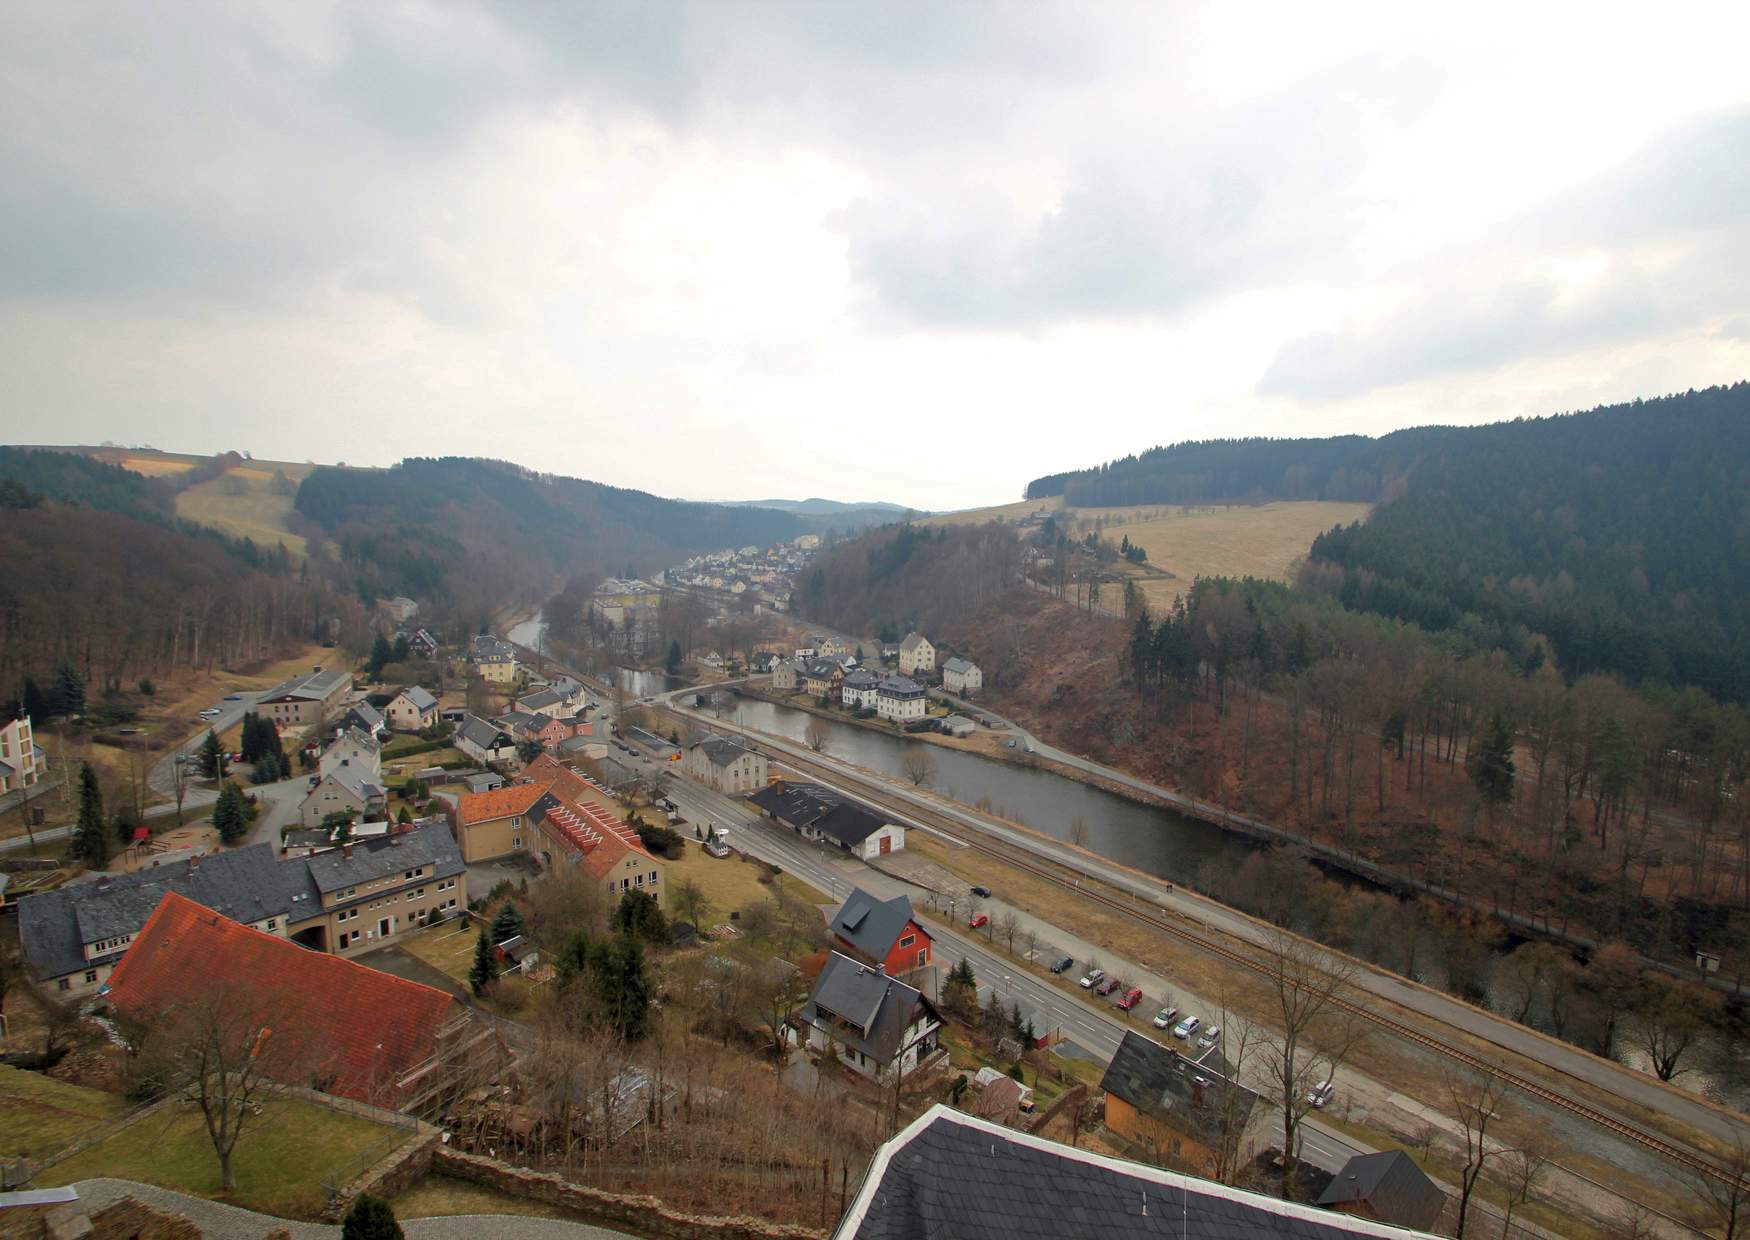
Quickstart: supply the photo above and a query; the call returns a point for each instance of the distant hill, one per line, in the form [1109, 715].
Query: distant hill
[1620, 534]
[821, 507]
[457, 527]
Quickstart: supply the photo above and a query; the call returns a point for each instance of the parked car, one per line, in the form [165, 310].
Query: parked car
[1210, 1037]
[1165, 1017]
[233, 697]
[1092, 978]
[1186, 1027]
[1062, 963]
[979, 919]
[1321, 1094]
[1130, 998]
[211, 712]
[981, 891]
[1108, 986]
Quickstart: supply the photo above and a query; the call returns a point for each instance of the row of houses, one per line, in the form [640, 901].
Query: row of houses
[338, 899]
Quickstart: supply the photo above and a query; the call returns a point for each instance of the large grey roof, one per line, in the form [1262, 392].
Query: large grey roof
[365, 715]
[358, 780]
[950, 1176]
[871, 926]
[1164, 1085]
[810, 805]
[901, 686]
[312, 686]
[55, 926]
[1394, 1186]
[913, 641]
[862, 679]
[544, 697]
[378, 858]
[720, 751]
[959, 665]
[878, 1004]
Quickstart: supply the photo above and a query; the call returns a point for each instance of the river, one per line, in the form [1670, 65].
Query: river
[1154, 840]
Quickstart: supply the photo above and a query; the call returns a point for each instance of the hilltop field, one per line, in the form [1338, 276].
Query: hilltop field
[1187, 541]
[244, 502]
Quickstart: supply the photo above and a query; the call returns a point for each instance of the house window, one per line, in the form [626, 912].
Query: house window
[63, 984]
[908, 940]
[516, 841]
[90, 976]
[272, 923]
[641, 880]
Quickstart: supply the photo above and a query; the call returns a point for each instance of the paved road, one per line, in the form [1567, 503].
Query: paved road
[1611, 1077]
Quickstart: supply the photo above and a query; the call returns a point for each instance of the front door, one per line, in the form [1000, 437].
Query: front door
[886, 845]
[383, 928]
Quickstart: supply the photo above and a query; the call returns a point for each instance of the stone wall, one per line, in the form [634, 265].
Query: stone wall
[1069, 1098]
[641, 1215]
[406, 1165]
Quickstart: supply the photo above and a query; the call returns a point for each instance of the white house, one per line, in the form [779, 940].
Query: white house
[858, 690]
[916, 655]
[900, 699]
[787, 675]
[411, 710]
[880, 1027]
[962, 676]
[823, 815]
[724, 765]
[355, 749]
[346, 789]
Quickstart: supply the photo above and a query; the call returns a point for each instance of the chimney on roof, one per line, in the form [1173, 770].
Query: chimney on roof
[103, 882]
[194, 861]
[1197, 1084]
[346, 850]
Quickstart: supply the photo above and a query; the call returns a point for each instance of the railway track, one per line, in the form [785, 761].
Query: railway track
[1021, 859]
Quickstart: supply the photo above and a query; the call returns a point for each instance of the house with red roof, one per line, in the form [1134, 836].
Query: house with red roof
[558, 817]
[342, 1027]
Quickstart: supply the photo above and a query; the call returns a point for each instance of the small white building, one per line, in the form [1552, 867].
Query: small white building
[962, 676]
[860, 690]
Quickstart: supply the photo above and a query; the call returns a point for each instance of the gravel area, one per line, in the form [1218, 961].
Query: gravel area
[222, 1222]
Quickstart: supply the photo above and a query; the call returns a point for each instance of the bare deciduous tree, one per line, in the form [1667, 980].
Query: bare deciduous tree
[1008, 925]
[918, 764]
[1313, 1032]
[817, 735]
[1722, 1202]
[1476, 1103]
[1520, 1171]
[1078, 832]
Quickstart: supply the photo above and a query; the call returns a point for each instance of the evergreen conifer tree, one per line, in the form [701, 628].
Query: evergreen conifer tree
[212, 756]
[68, 696]
[230, 819]
[370, 1218]
[485, 967]
[509, 923]
[90, 832]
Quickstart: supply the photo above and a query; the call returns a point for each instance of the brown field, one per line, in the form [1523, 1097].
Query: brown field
[1192, 542]
[155, 466]
[257, 513]
[1017, 511]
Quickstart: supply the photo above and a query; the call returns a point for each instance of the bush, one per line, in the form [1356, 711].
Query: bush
[147, 688]
[663, 841]
[371, 1218]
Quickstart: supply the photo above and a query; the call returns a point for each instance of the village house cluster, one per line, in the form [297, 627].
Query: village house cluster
[762, 574]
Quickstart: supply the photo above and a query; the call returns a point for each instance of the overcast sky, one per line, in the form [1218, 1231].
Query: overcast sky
[867, 251]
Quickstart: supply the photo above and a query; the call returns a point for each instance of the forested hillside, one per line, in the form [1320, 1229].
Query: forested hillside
[461, 529]
[907, 576]
[94, 571]
[1613, 540]
[1621, 535]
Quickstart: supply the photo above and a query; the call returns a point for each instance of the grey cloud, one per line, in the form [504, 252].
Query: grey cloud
[1690, 188]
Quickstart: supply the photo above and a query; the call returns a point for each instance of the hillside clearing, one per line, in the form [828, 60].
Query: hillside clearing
[1190, 542]
[243, 504]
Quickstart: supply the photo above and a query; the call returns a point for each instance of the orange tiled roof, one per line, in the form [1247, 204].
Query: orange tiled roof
[476, 807]
[364, 1030]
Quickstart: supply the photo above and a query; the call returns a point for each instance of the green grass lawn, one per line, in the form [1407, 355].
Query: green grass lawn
[39, 1115]
[280, 1161]
[452, 953]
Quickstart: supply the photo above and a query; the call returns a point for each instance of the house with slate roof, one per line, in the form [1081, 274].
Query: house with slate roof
[355, 748]
[357, 896]
[74, 936]
[787, 675]
[345, 789]
[1176, 1111]
[819, 813]
[724, 765]
[857, 691]
[900, 699]
[1386, 1187]
[821, 677]
[412, 710]
[366, 718]
[882, 932]
[916, 655]
[354, 1031]
[483, 741]
[877, 1024]
[962, 676]
[952, 1176]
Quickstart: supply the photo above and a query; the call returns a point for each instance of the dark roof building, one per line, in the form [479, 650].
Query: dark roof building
[819, 811]
[1186, 1111]
[1388, 1187]
[951, 1176]
[871, 927]
[85, 927]
[878, 1021]
[364, 863]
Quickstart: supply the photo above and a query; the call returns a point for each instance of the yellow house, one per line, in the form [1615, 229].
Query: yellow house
[1177, 1112]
